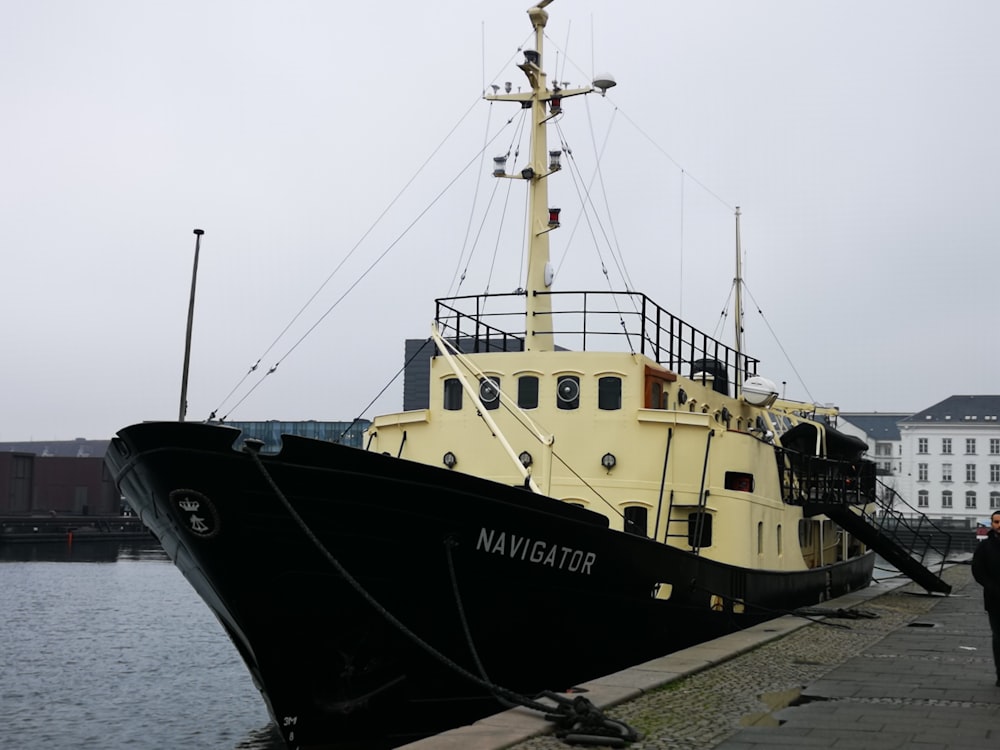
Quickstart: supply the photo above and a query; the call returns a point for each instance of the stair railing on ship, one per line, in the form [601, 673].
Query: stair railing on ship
[826, 485]
[897, 519]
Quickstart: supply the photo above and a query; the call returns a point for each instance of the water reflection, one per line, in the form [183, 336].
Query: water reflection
[266, 738]
[88, 551]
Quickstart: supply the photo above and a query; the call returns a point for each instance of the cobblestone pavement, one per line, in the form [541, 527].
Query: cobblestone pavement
[700, 711]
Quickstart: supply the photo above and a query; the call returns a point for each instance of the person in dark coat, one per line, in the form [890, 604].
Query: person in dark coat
[986, 571]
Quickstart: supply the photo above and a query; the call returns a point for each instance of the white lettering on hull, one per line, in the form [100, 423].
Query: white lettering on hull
[536, 551]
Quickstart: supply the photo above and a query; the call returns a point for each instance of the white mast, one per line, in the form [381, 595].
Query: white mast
[544, 105]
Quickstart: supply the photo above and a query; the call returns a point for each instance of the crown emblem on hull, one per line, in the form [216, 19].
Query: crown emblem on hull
[196, 513]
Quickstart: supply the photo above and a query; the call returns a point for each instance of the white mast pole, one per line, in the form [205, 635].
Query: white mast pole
[538, 325]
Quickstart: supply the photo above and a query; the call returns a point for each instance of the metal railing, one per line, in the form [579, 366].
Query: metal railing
[589, 321]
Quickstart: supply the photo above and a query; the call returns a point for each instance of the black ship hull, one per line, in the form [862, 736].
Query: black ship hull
[353, 612]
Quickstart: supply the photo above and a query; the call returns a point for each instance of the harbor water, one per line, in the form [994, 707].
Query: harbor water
[105, 645]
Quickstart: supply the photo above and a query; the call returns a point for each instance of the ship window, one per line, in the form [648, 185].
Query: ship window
[636, 520]
[527, 392]
[655, 397]
[568, 392]
[609, 393]
[452, 394]
[489, 392]
[700, 529]
[740, 481]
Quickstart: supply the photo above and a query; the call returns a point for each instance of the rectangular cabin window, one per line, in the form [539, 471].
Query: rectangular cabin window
[568, 392]
[489, 392]
[654, 396]
[527, 392]
[699, 530]
[739, 481]
[452, 394]
[656, 393]
[636, 521]
[609, 393]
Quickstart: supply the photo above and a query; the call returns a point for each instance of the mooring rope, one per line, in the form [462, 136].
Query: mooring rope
[575, 717]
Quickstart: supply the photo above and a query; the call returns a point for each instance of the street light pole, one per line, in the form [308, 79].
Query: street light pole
[187, 340]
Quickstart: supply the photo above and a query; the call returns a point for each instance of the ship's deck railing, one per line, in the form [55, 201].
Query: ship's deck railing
[594, 321]
[812, 480]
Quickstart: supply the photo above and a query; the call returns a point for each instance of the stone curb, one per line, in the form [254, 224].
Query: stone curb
[511, 727]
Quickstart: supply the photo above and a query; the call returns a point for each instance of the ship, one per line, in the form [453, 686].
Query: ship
[592, 483]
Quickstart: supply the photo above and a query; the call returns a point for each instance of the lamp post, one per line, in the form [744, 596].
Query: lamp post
[190, 323]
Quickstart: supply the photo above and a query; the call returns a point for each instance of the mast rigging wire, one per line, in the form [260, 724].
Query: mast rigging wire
[253, 368]
[367, 271]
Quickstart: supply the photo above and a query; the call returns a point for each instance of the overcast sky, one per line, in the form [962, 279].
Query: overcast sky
[858, 138]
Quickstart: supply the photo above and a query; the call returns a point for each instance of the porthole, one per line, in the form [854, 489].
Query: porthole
[568, 392]
[489, 392]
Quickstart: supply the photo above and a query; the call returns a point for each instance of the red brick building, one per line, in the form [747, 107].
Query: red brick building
[43, 483]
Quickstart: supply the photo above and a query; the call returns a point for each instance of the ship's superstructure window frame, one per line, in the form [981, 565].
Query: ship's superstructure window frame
[527, 392]
[705, 526]
[654, 396]
[739, 481]
[609, 393]
[568, 392]
[636, 520]
[489, 392]
[452, 394]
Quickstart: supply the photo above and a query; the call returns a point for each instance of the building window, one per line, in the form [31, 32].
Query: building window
[489, 392]
[779, 547]
[921, 472]
[921, 445]
[636, 520]
[527, 392]
[970, 472]
[923, 499]
[452, 394]
[946, 499]
[970, 446]
[568, 392]
[883, 449]
[945, 472]
[995, 446]
[946, 445]
[970, 499]
[609, 393]
[760, 538]
[994, 500]
[995, 472]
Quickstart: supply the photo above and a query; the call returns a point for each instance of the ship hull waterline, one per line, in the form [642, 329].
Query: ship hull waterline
[541, 594]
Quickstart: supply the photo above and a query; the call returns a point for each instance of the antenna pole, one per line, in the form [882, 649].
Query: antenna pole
[190, 324]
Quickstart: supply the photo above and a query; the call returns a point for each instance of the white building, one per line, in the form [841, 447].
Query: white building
[880, 430]
[951, 458]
